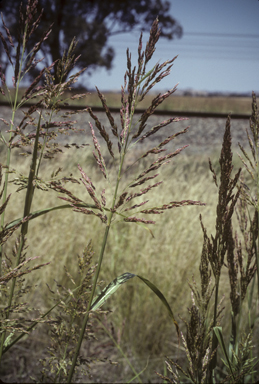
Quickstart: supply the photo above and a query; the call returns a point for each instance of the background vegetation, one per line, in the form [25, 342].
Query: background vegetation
[209, 104]
[92, 22]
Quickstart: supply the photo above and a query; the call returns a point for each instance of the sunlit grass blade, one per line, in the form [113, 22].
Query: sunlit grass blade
[111, 288]
[41, 212]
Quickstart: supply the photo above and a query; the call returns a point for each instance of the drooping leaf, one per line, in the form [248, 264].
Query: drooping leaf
[111, 288]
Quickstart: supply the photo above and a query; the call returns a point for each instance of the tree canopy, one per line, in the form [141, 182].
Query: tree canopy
[92, 22]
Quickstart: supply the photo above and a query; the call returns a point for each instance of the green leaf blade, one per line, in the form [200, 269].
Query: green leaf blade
[111, 288]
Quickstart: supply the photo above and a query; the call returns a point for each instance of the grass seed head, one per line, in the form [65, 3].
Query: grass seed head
[153, 39]
[102, 130]
[121, 200]
[108, 113]
[135, 219]
[6, 48]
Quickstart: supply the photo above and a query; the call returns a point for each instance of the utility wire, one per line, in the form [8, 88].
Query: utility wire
[236, 35]
[211, 48]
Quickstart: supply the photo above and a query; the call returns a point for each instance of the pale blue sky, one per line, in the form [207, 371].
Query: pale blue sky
[227, 63]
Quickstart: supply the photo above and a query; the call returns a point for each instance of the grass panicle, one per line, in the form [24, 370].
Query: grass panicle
[251, 195]
[225, 249]
[71, 305]
[119, 208]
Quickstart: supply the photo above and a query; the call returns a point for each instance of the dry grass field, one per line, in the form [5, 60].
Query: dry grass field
[169, 260]
[212, 104]
[215, 104]
[138, 323]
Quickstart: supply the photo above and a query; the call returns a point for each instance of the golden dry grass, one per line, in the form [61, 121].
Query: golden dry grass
[212, 104]
[169, 260]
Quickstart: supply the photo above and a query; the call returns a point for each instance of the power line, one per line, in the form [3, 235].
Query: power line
[211, 48]
[201, 42]
[236, 35]
[216, 34]
[196, 44]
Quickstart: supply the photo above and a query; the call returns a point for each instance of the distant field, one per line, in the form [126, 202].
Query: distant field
[216, 104]
[213, 104]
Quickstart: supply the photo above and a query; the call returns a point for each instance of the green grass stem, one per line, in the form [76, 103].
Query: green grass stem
[24, 227]
[8, 160]
[96, 276]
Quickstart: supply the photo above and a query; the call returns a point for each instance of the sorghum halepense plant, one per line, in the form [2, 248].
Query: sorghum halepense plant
[251, 163]
[123, 206]
[37, 137]
[222, 250]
